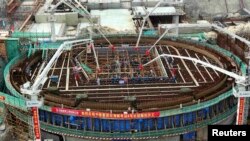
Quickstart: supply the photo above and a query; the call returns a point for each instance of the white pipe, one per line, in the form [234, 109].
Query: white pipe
[96, 59]
[44, 73]
[166, 31]
[144, 20]
[231, 74]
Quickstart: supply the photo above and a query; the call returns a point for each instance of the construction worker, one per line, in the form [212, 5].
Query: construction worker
[125, 78]
[98, 81]
[28, 69]
[152, 73]
[76, 71]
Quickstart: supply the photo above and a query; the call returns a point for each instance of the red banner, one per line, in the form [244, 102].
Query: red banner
[36, 123]
[240, 114]
[95, 114]
[2, 98]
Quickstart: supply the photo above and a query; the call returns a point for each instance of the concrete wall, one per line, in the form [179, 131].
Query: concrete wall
[193, 8]
[70, 19]
[209, 8]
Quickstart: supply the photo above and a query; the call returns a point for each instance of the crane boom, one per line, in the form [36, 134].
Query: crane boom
[237, 77]
[42, 77]
[144, 20]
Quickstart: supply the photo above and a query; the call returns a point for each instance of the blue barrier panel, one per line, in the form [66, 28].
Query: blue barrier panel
[145, 125]
[166, 121]
[160, 123]
[112, 128]
[190, 118]
[185, 118]
[41, 115]
[65, 121]
[116, 125]
[105, 125]
[172, 121]
[127, 125]
[220, 106]
[151, 124]
[194, 116]
[97, 124]
[48, 117]
[211, 111]
[83, 123]
[189, 136]
[58, 120]
[89, 124]
[205, 112]
[177, 120]
[72, 120]
[122, 125]
[135, 124]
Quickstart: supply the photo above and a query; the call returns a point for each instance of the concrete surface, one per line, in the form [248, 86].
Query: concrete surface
[118, 19]
[209, 8]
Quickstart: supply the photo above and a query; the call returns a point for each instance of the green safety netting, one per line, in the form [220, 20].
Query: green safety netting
[49, 45]
[14, 101]
[87, 69]
[18, 102]
[12, 48]
[19, 34]
[199, 36]
[2, 112]
[150, 32]
[30, 51]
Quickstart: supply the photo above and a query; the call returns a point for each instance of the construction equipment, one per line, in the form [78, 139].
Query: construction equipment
[144, 21]
[76, 6]
[33, 89]
[241, 81]
[243, 100]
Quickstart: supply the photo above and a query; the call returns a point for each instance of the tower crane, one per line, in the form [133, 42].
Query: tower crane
[33, 89]
[242, 82]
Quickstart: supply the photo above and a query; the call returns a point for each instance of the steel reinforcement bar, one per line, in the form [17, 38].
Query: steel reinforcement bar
[18, 100]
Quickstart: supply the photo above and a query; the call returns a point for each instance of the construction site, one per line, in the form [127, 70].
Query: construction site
[122, 70]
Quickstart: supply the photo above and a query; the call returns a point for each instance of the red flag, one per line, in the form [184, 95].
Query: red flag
[174, 70]
[136, 49]
[90, 45]
[112, 47]
[99, 70]
[12, 28]
[147, 52]
[141, 67]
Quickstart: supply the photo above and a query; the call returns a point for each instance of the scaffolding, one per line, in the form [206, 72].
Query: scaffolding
[20, 127]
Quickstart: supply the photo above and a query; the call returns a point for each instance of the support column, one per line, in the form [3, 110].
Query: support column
[176, 22]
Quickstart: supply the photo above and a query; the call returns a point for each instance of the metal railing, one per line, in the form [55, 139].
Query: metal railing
[154, 133]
